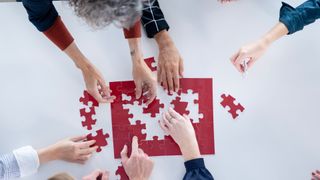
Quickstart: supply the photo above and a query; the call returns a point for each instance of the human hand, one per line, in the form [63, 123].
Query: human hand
[170, 63]
[96, 84]
[145, 83]
[75, 150]
[97, 175]
[249, 54]
[316, 175]
[181, 130]
[138, 166]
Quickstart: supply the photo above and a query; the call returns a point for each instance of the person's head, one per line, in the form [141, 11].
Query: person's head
[100, 13]
[61, 176]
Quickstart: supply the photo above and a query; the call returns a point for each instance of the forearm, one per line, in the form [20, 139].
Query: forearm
[77, 57]
[163, 39]
[46, 154]
[135, 50]
[190, 151]
[275, 33]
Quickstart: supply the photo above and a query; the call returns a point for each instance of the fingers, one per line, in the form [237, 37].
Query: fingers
[151, 93]
[138, 89]
[134, 146]
[163, 127]
[164, 79]
[86, 144]
[88, 150]
[170, 81]
[236, 61]
[166, 121]
[124, 153]
[181, 67]
[84, 158]
[174, 114]
[105, 175]
[176, 81]
[78, 138]
[316, 175]
[159, 72]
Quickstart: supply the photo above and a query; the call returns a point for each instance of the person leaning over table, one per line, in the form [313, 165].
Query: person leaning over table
[26, 161]
[291, 20]
[99, 14]
[139, 166]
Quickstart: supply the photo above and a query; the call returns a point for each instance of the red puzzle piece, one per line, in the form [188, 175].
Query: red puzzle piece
[123, 131]
[153, 108]
[88, 122]
[120, 171]
[229, 101]
[88, 98]
[100, 138]
[151, 63]
[180, 107]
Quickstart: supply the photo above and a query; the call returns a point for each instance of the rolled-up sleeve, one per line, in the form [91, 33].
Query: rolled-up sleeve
[20, 163]
[296, 18]
[196, 170]
[153, 19]
[43, 15]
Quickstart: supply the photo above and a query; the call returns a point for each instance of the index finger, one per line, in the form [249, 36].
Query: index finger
[87, 144]
[174, 114]
[176, 81]
[135, 145]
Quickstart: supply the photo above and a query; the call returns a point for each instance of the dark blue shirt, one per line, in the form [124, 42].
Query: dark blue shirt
[296, 18]
[196, 170]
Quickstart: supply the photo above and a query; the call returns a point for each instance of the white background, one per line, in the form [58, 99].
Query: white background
[276, 138]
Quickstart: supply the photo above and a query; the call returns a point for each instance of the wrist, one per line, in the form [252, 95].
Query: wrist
[46, 154]
[163, 39]
[190, 151]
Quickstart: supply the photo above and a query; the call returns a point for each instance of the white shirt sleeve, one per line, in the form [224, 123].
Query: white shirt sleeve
[28, 160]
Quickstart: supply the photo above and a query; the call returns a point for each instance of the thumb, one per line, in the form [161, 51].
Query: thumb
[138, 89]
[124, 154]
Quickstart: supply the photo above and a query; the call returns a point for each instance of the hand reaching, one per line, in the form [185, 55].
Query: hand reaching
[138, 166]
[146, 84]
[181, 130]
[249, 54]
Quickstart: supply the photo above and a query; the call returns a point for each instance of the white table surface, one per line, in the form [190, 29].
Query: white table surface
[276, 138]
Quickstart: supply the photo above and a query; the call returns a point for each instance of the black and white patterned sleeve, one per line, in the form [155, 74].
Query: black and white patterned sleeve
[152, 18]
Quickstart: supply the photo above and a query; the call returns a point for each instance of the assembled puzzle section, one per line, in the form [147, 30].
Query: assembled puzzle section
[130, 117]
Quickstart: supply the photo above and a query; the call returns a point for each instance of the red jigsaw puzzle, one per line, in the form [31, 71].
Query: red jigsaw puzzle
[100, 138]
[122, 173]
[86, 98]
[88, 120]
[151, 63]
[229, 101]
[124, 129]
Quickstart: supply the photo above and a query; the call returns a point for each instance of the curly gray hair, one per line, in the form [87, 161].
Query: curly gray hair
[100, 13]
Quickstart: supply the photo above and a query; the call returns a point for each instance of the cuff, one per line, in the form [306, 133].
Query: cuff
[133, 32]
[194, 164]
[155, 27]
[287, 17]
[59, 34]
[27, 159]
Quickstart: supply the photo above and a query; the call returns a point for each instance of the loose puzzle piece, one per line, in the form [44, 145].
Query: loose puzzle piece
[151, 63]
[122, 173]
[100, 138]
[130, 117]
[179, 106]
[153, 108]
[229, 101]
[88, 98]
[89, 121]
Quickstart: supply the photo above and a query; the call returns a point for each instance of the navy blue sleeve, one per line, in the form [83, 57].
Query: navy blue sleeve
[153, 19]
[296, 18]
[41, 13]
[196, 170]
